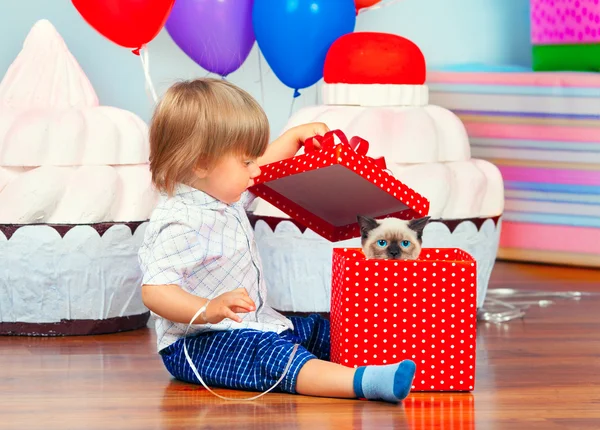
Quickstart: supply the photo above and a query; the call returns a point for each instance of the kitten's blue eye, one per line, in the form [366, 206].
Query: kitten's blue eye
[405, 244]
[382, 243]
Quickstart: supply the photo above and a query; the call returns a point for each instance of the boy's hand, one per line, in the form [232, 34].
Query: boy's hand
[290, 142]
[227, 305]
[304, 131]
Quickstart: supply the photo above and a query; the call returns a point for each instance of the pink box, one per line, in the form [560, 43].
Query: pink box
[565, 22]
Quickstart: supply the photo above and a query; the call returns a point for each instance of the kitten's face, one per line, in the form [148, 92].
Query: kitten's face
[392, 238]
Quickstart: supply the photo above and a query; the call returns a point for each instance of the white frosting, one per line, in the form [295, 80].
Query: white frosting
[456, 190]
[426, 147]
[375, 94]
[76, 195]
[45, 75]
[401, 134]
[63, 158]
[75, 136]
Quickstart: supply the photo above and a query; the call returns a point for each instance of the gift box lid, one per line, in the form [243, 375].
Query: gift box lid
[326, 189]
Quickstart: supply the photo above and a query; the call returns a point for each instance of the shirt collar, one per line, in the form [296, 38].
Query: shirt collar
[197, 197]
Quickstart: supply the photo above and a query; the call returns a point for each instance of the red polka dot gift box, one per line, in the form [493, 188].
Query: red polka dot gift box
[325, 189]
[385, 311]
[382, 311]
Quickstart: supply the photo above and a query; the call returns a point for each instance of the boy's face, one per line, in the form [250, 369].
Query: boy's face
[231, 176]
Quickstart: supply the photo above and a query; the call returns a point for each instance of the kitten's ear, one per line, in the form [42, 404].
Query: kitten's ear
[418, 225]
[366, 225]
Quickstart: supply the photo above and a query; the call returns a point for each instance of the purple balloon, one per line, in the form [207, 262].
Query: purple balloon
[216, 34]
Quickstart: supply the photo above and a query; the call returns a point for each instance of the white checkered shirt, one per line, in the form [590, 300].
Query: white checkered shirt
[207, 248]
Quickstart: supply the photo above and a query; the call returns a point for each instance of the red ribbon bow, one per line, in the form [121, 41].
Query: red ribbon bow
[357, 144]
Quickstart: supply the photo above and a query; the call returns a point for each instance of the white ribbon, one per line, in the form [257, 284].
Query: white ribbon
[191, 363]
[506, 304]
[146, 67]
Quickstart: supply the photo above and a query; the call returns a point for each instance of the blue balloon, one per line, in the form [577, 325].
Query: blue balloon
[295, 35]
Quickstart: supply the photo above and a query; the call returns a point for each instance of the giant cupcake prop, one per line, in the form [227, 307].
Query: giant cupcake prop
[75, 191]
[374, 88]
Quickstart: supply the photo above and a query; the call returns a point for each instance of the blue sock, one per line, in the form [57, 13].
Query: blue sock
[391, 383]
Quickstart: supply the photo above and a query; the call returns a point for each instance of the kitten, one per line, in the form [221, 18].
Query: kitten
[391, 238]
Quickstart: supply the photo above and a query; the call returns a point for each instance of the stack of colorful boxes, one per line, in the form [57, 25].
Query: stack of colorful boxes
[543, 132]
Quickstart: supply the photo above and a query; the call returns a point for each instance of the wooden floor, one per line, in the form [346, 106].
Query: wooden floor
[542, 372]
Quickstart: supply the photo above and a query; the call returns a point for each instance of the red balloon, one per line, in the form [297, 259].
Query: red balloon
[359, 4]
[128, 23]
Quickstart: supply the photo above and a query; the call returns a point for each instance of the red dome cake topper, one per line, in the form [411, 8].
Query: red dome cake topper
[374, 69]
[374, 58]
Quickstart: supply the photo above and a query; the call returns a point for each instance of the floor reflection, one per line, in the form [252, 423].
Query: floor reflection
[444, 411]
[187, 406]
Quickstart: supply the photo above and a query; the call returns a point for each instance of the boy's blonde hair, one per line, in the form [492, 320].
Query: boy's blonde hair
[196, 123]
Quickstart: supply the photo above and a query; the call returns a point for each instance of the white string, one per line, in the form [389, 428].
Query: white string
[262, 87]
[292, 107]
[146, 66]
[379, 5]
[191, 363]
[506, 304]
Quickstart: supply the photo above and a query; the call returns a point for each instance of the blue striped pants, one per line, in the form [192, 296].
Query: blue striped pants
[250, 359]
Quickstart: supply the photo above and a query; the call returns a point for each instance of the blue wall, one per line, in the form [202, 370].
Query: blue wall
[448, 31]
